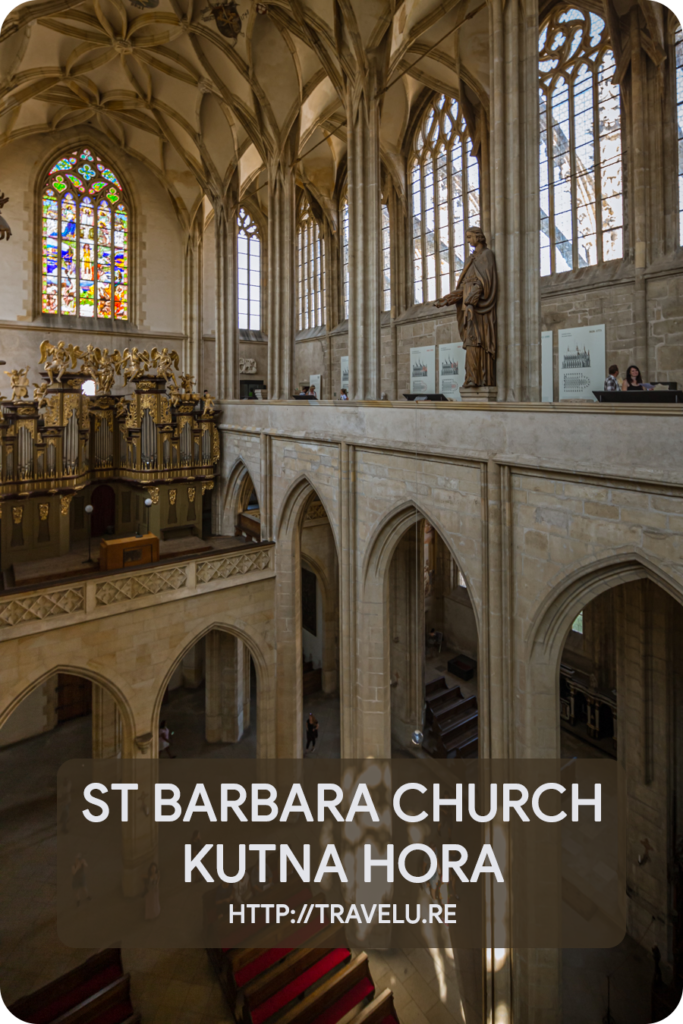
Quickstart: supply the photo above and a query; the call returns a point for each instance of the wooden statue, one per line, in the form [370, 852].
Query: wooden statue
[475, 299]
[56, 359]
[19, 383]
[5, 230]
[40, 394]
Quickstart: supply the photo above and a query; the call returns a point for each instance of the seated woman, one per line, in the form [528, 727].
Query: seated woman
[633, 381]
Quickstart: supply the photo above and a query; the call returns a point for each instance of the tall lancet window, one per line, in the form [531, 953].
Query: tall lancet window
[85, 266]
[345, 255]
[386, 260]
[679, 121]
[311, 281]
[580, 152]
[248, 274]
[445, 199]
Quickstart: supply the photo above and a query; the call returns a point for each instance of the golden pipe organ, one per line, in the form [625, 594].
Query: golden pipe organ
[63, 440]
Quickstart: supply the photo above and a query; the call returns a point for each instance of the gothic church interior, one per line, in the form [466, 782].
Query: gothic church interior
[461, 222]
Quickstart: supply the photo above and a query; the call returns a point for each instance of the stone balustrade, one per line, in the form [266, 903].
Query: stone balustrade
[49, 606]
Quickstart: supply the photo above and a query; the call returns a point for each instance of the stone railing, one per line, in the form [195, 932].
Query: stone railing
[47, 606]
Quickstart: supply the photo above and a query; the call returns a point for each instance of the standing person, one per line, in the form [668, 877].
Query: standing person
[79, 878]
[613, 382]
[311, 731]
[304, 390]
[165, 739]
[344, 395]
[633, 382]
[152, 907]
[311, 391]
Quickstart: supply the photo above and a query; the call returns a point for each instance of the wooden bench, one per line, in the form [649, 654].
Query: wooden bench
[454, 714]
[111, 1005]
[335, 998]
[288, 980]
[379, 1011]
[59, 998]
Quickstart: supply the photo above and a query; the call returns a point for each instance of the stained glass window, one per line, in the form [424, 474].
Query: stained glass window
[248, 273]
[311, 277]
[345, 255]
[445, 199]
[85, 240]
[386, 260]
[580, 144]
[679, 121]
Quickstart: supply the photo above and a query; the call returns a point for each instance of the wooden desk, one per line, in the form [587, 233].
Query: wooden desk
[129, 552]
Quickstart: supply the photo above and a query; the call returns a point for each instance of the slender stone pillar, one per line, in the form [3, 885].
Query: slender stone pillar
[224, 688]
[192, 667]
[227, 337]
[365, 237]
[514, 141]
[192, 306]
[282, 269]
[106, 725]
[407, 624]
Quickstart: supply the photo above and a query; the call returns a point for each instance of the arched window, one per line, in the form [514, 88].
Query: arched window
[445, 196]
[345, 255]
[386, 260]
[85, 239]
[311, 248]
[679, 121]
[248, 273]
[580, 152]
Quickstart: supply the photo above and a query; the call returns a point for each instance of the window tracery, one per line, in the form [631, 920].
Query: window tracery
[679, 121]
[386, 259]
[345, 255]
[581, 189]
[248, 273]
[445, 199]
[311, 275]
[85, 232]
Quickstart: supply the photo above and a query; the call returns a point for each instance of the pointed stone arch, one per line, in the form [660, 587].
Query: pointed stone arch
[128, 746]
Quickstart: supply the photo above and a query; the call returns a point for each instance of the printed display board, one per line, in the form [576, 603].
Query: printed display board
[546, 366]
[451, 370]
[423, 370]
[581, 356]
[345, 372]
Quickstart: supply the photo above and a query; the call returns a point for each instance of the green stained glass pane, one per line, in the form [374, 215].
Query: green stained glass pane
[64, 164]
[112, 196]
[97, 186]
[76, 182]
[87, 172]
[59, 183]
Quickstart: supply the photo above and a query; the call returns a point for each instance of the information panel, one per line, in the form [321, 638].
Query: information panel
[546, 366]
[581, 354]
[422, 370]
[451, 370]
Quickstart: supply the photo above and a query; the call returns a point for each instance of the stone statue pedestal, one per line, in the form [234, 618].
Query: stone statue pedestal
[481, 394]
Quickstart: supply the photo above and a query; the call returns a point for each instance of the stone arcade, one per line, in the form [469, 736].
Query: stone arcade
[207, 207]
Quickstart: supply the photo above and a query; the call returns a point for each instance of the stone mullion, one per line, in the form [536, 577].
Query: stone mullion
[365, 255]
[227, 338]
[192, 307]
[282, 269]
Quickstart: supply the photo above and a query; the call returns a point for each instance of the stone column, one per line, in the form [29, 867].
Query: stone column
[407, 624]
[192, 667]
[365, 236]
[515, 217]
[191, 360]
[227, 337]
[244, 669]
[282, 270]
[289, 689]
[106, 725]
[347, 602]
[224, 688]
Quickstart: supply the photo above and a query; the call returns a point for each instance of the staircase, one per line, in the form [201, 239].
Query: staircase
[96, 992]
[453, 719]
